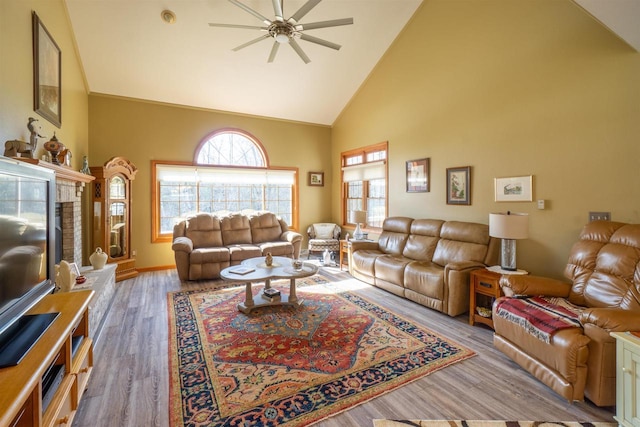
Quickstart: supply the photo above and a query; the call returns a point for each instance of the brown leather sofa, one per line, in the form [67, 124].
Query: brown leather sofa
[425, 260]
[204, 244]
[604, 268]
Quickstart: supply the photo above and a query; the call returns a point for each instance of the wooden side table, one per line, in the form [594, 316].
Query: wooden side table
[484, 289]
[627, 379]
[345, 245]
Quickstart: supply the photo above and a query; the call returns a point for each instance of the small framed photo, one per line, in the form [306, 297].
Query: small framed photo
[316, 179]
[514, 189]
[418, 176]
[47, 74]
[459, 185]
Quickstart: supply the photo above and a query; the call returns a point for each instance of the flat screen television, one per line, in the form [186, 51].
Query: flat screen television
[27, 246]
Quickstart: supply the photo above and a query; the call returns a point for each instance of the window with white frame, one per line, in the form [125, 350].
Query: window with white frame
[364, 180]
[231, 174]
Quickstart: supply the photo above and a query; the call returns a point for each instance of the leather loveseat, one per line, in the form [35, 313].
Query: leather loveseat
[604, 296]
[425, 260]
[205, 243]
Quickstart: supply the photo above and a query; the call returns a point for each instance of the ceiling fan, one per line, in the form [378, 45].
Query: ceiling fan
[286, 31]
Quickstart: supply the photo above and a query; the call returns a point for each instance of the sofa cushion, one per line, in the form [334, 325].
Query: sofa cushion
[462, 241]
[390, 268]
[203, 230]
[364, 260]
[423, 239]
[242, 252]
[425, 278]
[207, 255]
[265, 227]
[277, 248]
[395, 232]
[324, 230]
[236, 230]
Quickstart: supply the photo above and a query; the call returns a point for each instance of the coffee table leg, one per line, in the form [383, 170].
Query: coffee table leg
[248, 299]
[293, 298]
[267, 284]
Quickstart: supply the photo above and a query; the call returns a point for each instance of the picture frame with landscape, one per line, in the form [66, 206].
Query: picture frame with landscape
[47, 73]
[316, 179]
[514, 189]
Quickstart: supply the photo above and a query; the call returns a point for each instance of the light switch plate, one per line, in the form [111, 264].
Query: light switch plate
[541, 204]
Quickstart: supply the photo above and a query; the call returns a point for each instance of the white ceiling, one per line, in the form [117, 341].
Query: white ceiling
[127, 50]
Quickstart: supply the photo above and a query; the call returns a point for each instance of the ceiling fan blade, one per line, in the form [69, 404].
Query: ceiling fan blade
[249, 43]
[294, 44]
[324, 24]
[277, 10]
[248, 27]
[304, 10]
[321, 42]
[251, 11]
[274, 50]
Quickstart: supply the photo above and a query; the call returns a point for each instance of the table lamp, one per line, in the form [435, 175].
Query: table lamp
[358, 217]
[509, 227]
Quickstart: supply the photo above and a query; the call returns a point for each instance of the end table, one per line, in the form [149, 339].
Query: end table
[344, 250]
[484, 289]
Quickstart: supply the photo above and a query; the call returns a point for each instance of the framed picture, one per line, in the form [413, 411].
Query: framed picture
[459, 186]
[418, 176]
[47, 74]
[514, 189]
[316, 179]
[74, 268]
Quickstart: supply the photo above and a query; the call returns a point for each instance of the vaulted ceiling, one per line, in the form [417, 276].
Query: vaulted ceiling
[128, 50]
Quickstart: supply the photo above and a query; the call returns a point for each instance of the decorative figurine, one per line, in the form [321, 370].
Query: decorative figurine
[268, 260]
[54, 147]
[24, 149]
[85, 166]
[64, 157]
[65, 277]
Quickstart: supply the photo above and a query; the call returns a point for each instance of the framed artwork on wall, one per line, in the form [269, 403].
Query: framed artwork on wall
[316, 179]
[514, 189]
[418, 176]
[459, 185]
[47, 73]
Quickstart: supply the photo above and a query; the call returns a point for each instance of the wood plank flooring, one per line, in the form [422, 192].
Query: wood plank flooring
[130, 380]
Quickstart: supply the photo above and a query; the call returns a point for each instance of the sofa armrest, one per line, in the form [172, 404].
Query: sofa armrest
[462, 266]
[182, 244]
[513, 284]
[291, 236]
[357, 245]
[611, 319]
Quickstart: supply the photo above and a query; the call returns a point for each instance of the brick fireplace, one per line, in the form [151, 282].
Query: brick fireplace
[69, 187]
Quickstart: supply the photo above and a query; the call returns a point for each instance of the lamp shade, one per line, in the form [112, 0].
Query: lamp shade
[507, 225]
[359, 217]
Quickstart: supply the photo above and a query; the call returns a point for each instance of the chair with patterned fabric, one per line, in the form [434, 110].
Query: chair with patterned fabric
[323, 235]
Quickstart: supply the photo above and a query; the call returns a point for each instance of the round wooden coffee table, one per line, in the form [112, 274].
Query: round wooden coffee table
[255, 270]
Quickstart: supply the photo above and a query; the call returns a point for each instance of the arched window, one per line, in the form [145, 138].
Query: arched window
[230, 148]
[230, 173]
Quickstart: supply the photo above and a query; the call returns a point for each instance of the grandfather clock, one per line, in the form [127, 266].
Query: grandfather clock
[112, 213]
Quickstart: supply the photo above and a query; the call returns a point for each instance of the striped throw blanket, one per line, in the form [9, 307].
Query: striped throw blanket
[540, 316]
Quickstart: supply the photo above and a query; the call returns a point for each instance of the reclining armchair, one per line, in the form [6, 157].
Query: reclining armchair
[560, 332]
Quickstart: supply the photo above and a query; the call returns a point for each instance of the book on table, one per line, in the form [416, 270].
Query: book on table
[271, 292]
[242, 270]
[275, 298]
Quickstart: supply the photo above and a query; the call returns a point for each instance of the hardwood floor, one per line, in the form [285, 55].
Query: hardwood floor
[129, 384]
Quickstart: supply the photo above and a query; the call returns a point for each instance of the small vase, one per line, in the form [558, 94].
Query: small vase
[98, 259]
[268, 260]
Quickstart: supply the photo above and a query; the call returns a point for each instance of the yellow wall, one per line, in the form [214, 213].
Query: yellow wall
[143, 131]
[509, 88]
[16, 77]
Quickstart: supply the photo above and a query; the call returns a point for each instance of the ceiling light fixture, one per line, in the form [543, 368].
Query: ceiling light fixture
[168, 16]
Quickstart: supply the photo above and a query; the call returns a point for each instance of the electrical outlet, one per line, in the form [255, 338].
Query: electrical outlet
[133, 252]
[599, 216]
[541, 204]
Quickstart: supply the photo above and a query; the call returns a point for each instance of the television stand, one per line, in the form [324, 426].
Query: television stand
[67, 347]
[22, 335]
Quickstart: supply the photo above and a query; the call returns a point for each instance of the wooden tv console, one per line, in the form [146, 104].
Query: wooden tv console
[21, 391]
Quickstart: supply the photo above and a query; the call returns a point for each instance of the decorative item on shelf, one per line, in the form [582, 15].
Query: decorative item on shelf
[484, 312]
[509, 227]
[346, 237]
[64, 157]
[19, 148]
[268, 260]
[297, 264]
[54, 147]
[98, 259]
[65, 276]
[358, 217]
[85, 166]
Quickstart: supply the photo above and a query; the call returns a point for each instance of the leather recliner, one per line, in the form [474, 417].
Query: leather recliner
[604, 270]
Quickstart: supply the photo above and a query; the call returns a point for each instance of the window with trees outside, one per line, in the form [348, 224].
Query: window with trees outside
[230, 173]
[364, 182]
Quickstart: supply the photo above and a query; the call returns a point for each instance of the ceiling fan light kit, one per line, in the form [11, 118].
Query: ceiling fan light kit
[286, 31]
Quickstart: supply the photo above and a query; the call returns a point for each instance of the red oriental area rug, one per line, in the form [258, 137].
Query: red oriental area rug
[280, 366]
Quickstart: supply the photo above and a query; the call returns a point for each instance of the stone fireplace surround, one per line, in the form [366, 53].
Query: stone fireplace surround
[69, 187]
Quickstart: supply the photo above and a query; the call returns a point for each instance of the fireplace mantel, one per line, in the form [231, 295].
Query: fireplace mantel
[62, 172]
